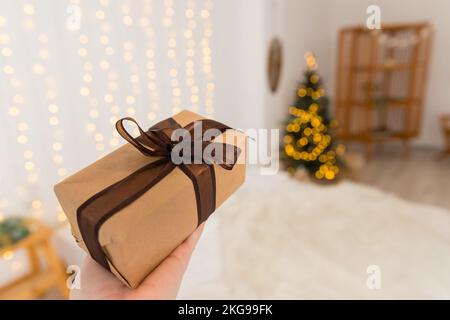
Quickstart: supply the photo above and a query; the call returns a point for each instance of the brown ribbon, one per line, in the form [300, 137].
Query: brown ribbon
[156, 142]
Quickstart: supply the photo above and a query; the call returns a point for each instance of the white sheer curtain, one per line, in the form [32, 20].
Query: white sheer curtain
[69, 69]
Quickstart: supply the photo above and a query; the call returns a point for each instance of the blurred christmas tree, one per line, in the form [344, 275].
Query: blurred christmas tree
[307, 141]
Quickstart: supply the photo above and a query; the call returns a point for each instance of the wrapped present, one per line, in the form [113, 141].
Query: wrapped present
[130, 209]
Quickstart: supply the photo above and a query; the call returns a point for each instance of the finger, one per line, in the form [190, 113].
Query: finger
[97, 283]
[184, 251]
[192, 240]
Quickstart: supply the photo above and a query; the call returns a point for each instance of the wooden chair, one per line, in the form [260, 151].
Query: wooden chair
[38, 280]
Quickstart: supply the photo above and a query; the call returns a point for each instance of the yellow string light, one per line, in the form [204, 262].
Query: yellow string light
[310, 61]
[207, 57]
[112, 82]
[191, 52]
[128, 56]
[15, 111]
[150, 54]
[302, 92]
[8, 255]
[40, 71]
[128, 47]
[94, 102]
[87, 81]
[169, 13]
[112, 77]
[314, 78]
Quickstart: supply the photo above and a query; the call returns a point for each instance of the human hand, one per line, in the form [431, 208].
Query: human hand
[163, 283]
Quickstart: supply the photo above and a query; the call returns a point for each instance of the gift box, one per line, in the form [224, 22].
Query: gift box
[130, 209]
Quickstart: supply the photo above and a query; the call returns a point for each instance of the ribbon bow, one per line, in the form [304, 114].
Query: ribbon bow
[156, 144]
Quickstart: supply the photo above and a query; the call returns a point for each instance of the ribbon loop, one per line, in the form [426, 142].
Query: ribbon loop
[148, 144]
[156, 142]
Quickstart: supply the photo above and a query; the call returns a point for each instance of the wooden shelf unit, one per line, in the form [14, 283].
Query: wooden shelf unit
[381, 82]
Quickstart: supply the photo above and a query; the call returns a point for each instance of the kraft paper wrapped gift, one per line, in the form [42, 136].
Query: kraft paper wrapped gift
[132, 208]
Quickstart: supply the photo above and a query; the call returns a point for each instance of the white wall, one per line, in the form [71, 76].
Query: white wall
[238, 45]
[349, 12]
[243, 33]
[304, 26]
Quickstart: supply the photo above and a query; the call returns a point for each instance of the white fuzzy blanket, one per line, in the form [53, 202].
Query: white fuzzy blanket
[280, 238]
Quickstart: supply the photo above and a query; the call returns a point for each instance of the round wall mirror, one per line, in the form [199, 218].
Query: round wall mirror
[274, 64]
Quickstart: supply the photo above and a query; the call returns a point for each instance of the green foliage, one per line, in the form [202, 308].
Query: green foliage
[12, 230]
